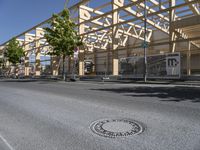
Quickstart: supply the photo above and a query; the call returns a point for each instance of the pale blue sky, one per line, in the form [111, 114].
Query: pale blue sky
[17, 16]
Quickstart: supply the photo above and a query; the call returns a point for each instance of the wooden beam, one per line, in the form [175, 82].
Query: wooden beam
[115, 38]
[189, 59]
[81, 50]
[138, 18]
[194, 9]
[191, 21]
[125, 32]
[172, 35]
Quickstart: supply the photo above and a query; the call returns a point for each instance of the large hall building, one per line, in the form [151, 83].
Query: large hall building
[117, 34]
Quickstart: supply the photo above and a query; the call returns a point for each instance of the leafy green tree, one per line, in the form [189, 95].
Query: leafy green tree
[14, 52]
[62, 36]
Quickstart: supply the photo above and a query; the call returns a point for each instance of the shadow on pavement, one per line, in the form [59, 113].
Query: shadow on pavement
[171, 94]
[28, 80]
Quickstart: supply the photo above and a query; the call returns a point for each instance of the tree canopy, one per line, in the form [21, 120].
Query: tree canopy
[14, 52]
[61, 34]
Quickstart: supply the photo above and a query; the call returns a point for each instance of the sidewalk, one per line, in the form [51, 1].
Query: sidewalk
[164, 82]
[110, 81]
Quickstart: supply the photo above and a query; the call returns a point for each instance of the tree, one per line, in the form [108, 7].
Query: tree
[14, 52]
[62, 36]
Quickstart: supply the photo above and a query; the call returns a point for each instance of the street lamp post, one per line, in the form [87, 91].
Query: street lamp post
[145, 42]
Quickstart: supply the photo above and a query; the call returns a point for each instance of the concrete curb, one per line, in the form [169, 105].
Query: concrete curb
[108, 81]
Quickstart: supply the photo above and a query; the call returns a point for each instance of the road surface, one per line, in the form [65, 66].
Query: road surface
[56, 115]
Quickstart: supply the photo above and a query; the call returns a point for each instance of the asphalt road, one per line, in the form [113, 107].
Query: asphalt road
[57, 115]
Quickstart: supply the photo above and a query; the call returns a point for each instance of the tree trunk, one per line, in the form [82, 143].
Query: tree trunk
[63, 71]
[16, 71]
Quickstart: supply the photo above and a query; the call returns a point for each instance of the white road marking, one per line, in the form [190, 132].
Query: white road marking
[6, 142]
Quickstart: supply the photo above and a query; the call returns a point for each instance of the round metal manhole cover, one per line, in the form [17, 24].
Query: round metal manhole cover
[116, 127]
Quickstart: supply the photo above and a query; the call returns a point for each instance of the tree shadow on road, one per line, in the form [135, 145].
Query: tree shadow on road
[170, 94]
[28, 80]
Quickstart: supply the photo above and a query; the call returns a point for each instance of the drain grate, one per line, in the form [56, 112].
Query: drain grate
[116, 127]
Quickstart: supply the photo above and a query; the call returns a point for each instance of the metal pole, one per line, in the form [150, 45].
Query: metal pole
[145, 44]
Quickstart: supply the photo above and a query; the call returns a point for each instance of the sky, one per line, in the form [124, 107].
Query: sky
[17, 16]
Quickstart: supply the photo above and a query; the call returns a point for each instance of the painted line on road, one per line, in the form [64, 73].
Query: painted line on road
[6, 142]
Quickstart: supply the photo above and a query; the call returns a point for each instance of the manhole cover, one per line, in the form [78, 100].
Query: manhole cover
[116, 127]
